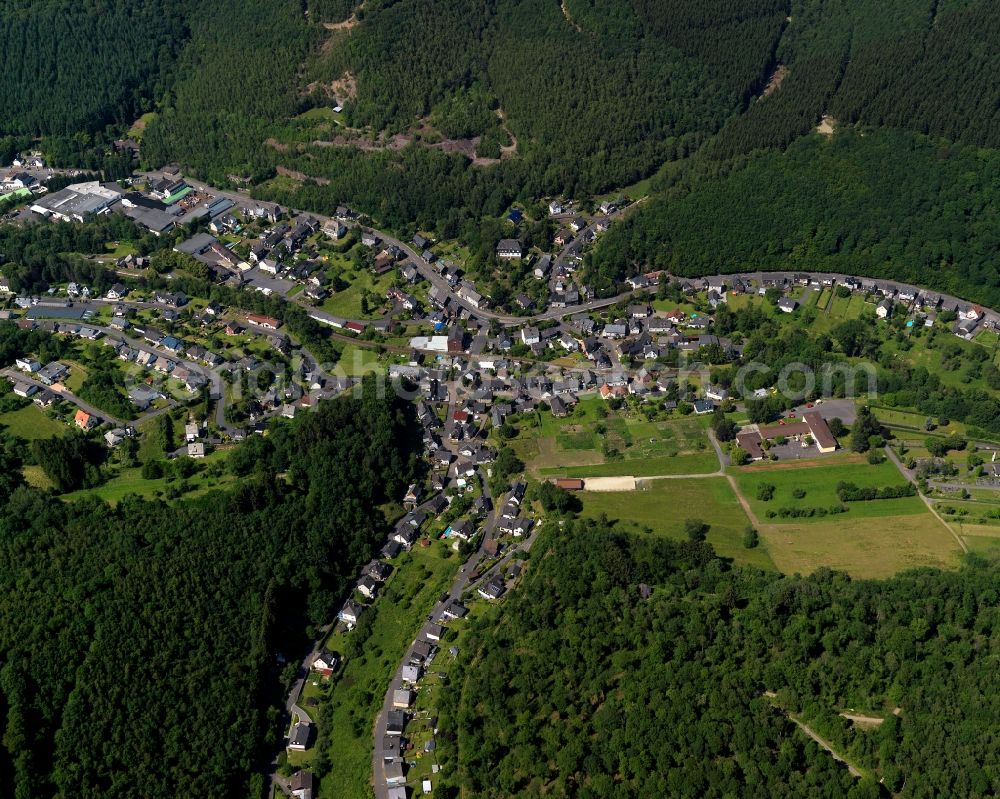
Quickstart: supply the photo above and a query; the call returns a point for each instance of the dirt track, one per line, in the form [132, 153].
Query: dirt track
[609, 484]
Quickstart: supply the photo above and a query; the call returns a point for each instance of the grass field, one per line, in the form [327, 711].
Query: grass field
[30, 422]
[663, 507]
[914, 423]
[819, 478]
[861, 548]
[34, 476]
[988, 338]
[131, 481]
[356, 361]
[576, 445]
[693, 463]
[357, 696]
[347, 303]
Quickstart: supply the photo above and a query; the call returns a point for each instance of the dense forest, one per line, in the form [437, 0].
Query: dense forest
[71, 67]
[881, 203]
[139, 644]
[581, 686]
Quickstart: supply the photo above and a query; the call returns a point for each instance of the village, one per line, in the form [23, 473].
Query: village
[610, 399]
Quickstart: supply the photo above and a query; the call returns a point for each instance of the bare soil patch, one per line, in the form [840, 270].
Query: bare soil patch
[346, 25]
[774, 82]
[827, 125]
[609, 484]
[862, 720]
[837, 460]
[300, 176]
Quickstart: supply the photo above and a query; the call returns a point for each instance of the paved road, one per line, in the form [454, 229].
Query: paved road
[426, 270]
[21, 377]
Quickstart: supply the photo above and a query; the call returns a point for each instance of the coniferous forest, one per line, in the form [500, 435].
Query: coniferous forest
[708, 98]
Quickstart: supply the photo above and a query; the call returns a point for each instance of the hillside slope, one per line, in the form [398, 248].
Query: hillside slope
[578, 686]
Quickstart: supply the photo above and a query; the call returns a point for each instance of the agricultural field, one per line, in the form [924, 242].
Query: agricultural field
[352, 702]
[816, 481]
[860, 547]
[661, 507]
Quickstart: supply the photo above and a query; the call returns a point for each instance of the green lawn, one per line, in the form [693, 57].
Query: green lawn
[77, 374]
[30, 422]
[136, 131]
[119, 249]
[347, 303]
[819, 478]
[693, 463]
[420, 577]
[932, 359]
[664, 506]
[356, 361]
[149, 440]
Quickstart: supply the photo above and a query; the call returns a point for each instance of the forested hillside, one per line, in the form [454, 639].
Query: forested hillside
[67, 67]
[139, 643]
[888, 204]
[577, 686]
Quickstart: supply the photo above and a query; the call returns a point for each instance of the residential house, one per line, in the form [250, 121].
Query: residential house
[52, 373]
[395, 722]
[298, 739]
[325, 663]
[267, 322]
[302, 785]
[84, 420]
[411, 675]
[350, 612]
[493, 590]
[367, 587]
[509, 249]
